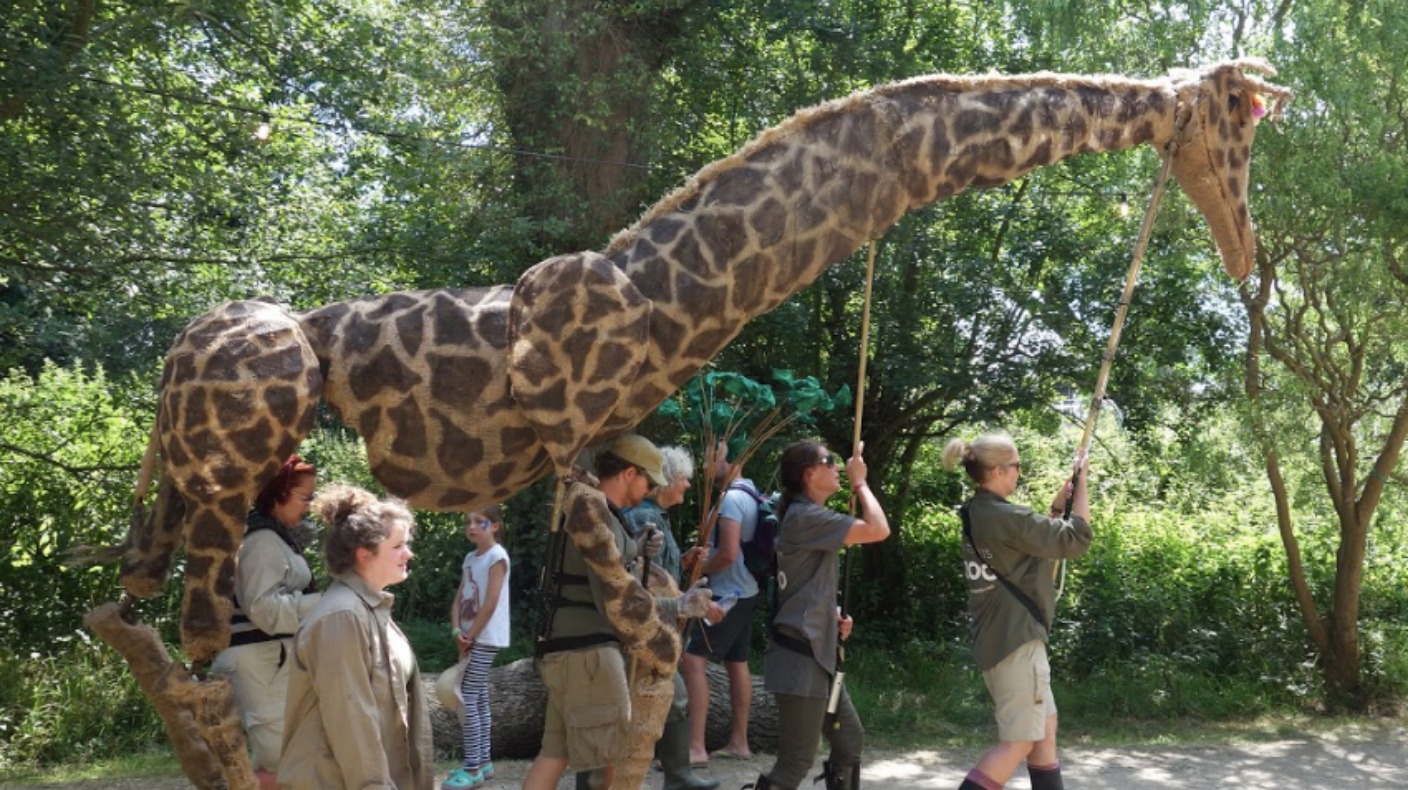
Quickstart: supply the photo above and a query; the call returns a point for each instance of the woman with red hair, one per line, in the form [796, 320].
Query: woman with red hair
[273, 591]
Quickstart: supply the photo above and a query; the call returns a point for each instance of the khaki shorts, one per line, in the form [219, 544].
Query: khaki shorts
[1021, 689]
[589, 706]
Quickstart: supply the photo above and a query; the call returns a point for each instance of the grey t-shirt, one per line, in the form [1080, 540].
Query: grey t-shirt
[1023, 546]
[809, 542]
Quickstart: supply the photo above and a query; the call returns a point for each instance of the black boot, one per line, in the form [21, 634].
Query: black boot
[839, 777]
[673, 750]
[763, 783]
[590, 780]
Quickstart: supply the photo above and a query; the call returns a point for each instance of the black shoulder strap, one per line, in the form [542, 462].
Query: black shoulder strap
[1017, 593]
[749, 489]
[550, 586]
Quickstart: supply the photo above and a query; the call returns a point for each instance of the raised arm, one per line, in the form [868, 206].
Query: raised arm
[872, 526]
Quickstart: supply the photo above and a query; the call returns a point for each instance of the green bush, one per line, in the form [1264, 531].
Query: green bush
[72, 707]
[69, 450]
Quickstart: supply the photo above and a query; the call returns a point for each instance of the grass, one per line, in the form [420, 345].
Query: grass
[129, 766]
[912, 696]
[922, 695]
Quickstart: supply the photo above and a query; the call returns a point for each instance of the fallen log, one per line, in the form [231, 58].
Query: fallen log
[518, 700]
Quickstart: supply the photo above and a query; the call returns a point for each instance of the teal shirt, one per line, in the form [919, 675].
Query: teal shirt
[649, 513]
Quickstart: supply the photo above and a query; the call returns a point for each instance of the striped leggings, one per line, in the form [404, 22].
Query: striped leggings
[474, 689]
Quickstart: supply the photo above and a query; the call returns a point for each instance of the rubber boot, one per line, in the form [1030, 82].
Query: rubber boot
[839, 777]
[673, 751]
[590, 780]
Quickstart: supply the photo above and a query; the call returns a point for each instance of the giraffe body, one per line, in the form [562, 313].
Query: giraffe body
[466, 396]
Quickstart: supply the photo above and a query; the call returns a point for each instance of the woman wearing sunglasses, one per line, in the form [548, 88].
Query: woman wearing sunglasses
[800, 662]
[1010, 556]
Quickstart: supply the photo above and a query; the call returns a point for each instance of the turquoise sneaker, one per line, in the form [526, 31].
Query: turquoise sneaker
[460, 779]
[487, 770]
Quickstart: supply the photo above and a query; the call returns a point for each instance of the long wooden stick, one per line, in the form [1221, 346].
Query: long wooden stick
[839, 678]
[1098, 397]
[864, 346]
[1132, 277]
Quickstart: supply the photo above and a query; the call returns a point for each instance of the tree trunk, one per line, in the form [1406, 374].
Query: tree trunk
[578, 82]
[518, 701]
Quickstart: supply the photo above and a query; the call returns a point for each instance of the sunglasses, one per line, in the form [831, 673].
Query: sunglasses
[829, 460]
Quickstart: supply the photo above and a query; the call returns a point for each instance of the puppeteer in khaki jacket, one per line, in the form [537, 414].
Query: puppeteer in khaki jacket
[356, 715]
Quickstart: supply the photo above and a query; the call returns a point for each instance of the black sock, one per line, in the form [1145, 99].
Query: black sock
[977, 780]
[1045, 777]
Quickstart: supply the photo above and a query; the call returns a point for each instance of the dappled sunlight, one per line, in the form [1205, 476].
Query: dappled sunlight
[1324, 763]
[918, 769]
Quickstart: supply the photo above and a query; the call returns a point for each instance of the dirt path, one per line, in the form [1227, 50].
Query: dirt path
[1319, 762]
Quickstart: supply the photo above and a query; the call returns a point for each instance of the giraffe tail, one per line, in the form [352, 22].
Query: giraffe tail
[83, 556]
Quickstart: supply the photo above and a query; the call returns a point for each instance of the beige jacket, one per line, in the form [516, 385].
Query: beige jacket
[356, 715]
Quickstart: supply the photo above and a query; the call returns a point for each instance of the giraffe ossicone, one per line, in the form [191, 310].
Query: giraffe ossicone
[465, 396]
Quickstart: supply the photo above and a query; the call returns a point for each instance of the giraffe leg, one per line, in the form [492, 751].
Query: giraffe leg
[150, 663]
[213, 710]
[241, 390]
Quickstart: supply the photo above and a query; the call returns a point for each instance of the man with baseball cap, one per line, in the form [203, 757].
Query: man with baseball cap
[579, 656]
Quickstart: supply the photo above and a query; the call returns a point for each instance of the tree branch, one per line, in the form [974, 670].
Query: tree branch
[76, 471]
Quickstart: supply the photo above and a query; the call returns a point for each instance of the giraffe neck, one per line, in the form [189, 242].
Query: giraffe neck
[751, 230]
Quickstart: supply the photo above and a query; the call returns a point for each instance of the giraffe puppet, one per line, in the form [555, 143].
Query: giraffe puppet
[465, 396]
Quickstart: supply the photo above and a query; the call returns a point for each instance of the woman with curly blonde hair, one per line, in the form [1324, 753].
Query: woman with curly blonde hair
[356, 714]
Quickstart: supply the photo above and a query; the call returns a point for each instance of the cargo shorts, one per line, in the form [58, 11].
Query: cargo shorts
[589, 706]
[1020, 686]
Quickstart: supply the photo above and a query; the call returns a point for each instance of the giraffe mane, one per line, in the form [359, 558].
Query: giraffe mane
[804, 119]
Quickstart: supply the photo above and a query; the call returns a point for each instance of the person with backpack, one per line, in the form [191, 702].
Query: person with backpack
[1010, 555]
[727, 637]
[800, 667]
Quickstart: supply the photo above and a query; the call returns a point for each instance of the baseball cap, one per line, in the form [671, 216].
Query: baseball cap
[638, 450]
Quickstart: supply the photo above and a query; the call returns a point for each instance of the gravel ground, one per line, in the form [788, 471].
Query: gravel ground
[1350, 758]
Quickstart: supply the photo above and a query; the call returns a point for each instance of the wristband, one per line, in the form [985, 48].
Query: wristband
[456, 630]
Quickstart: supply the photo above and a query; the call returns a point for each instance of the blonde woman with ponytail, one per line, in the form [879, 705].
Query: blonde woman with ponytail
[1010, 555]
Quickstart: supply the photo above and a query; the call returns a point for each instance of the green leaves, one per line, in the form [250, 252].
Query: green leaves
[69, 451]
[725, 403]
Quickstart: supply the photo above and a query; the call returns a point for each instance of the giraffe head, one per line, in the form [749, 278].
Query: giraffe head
[1218, 110]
